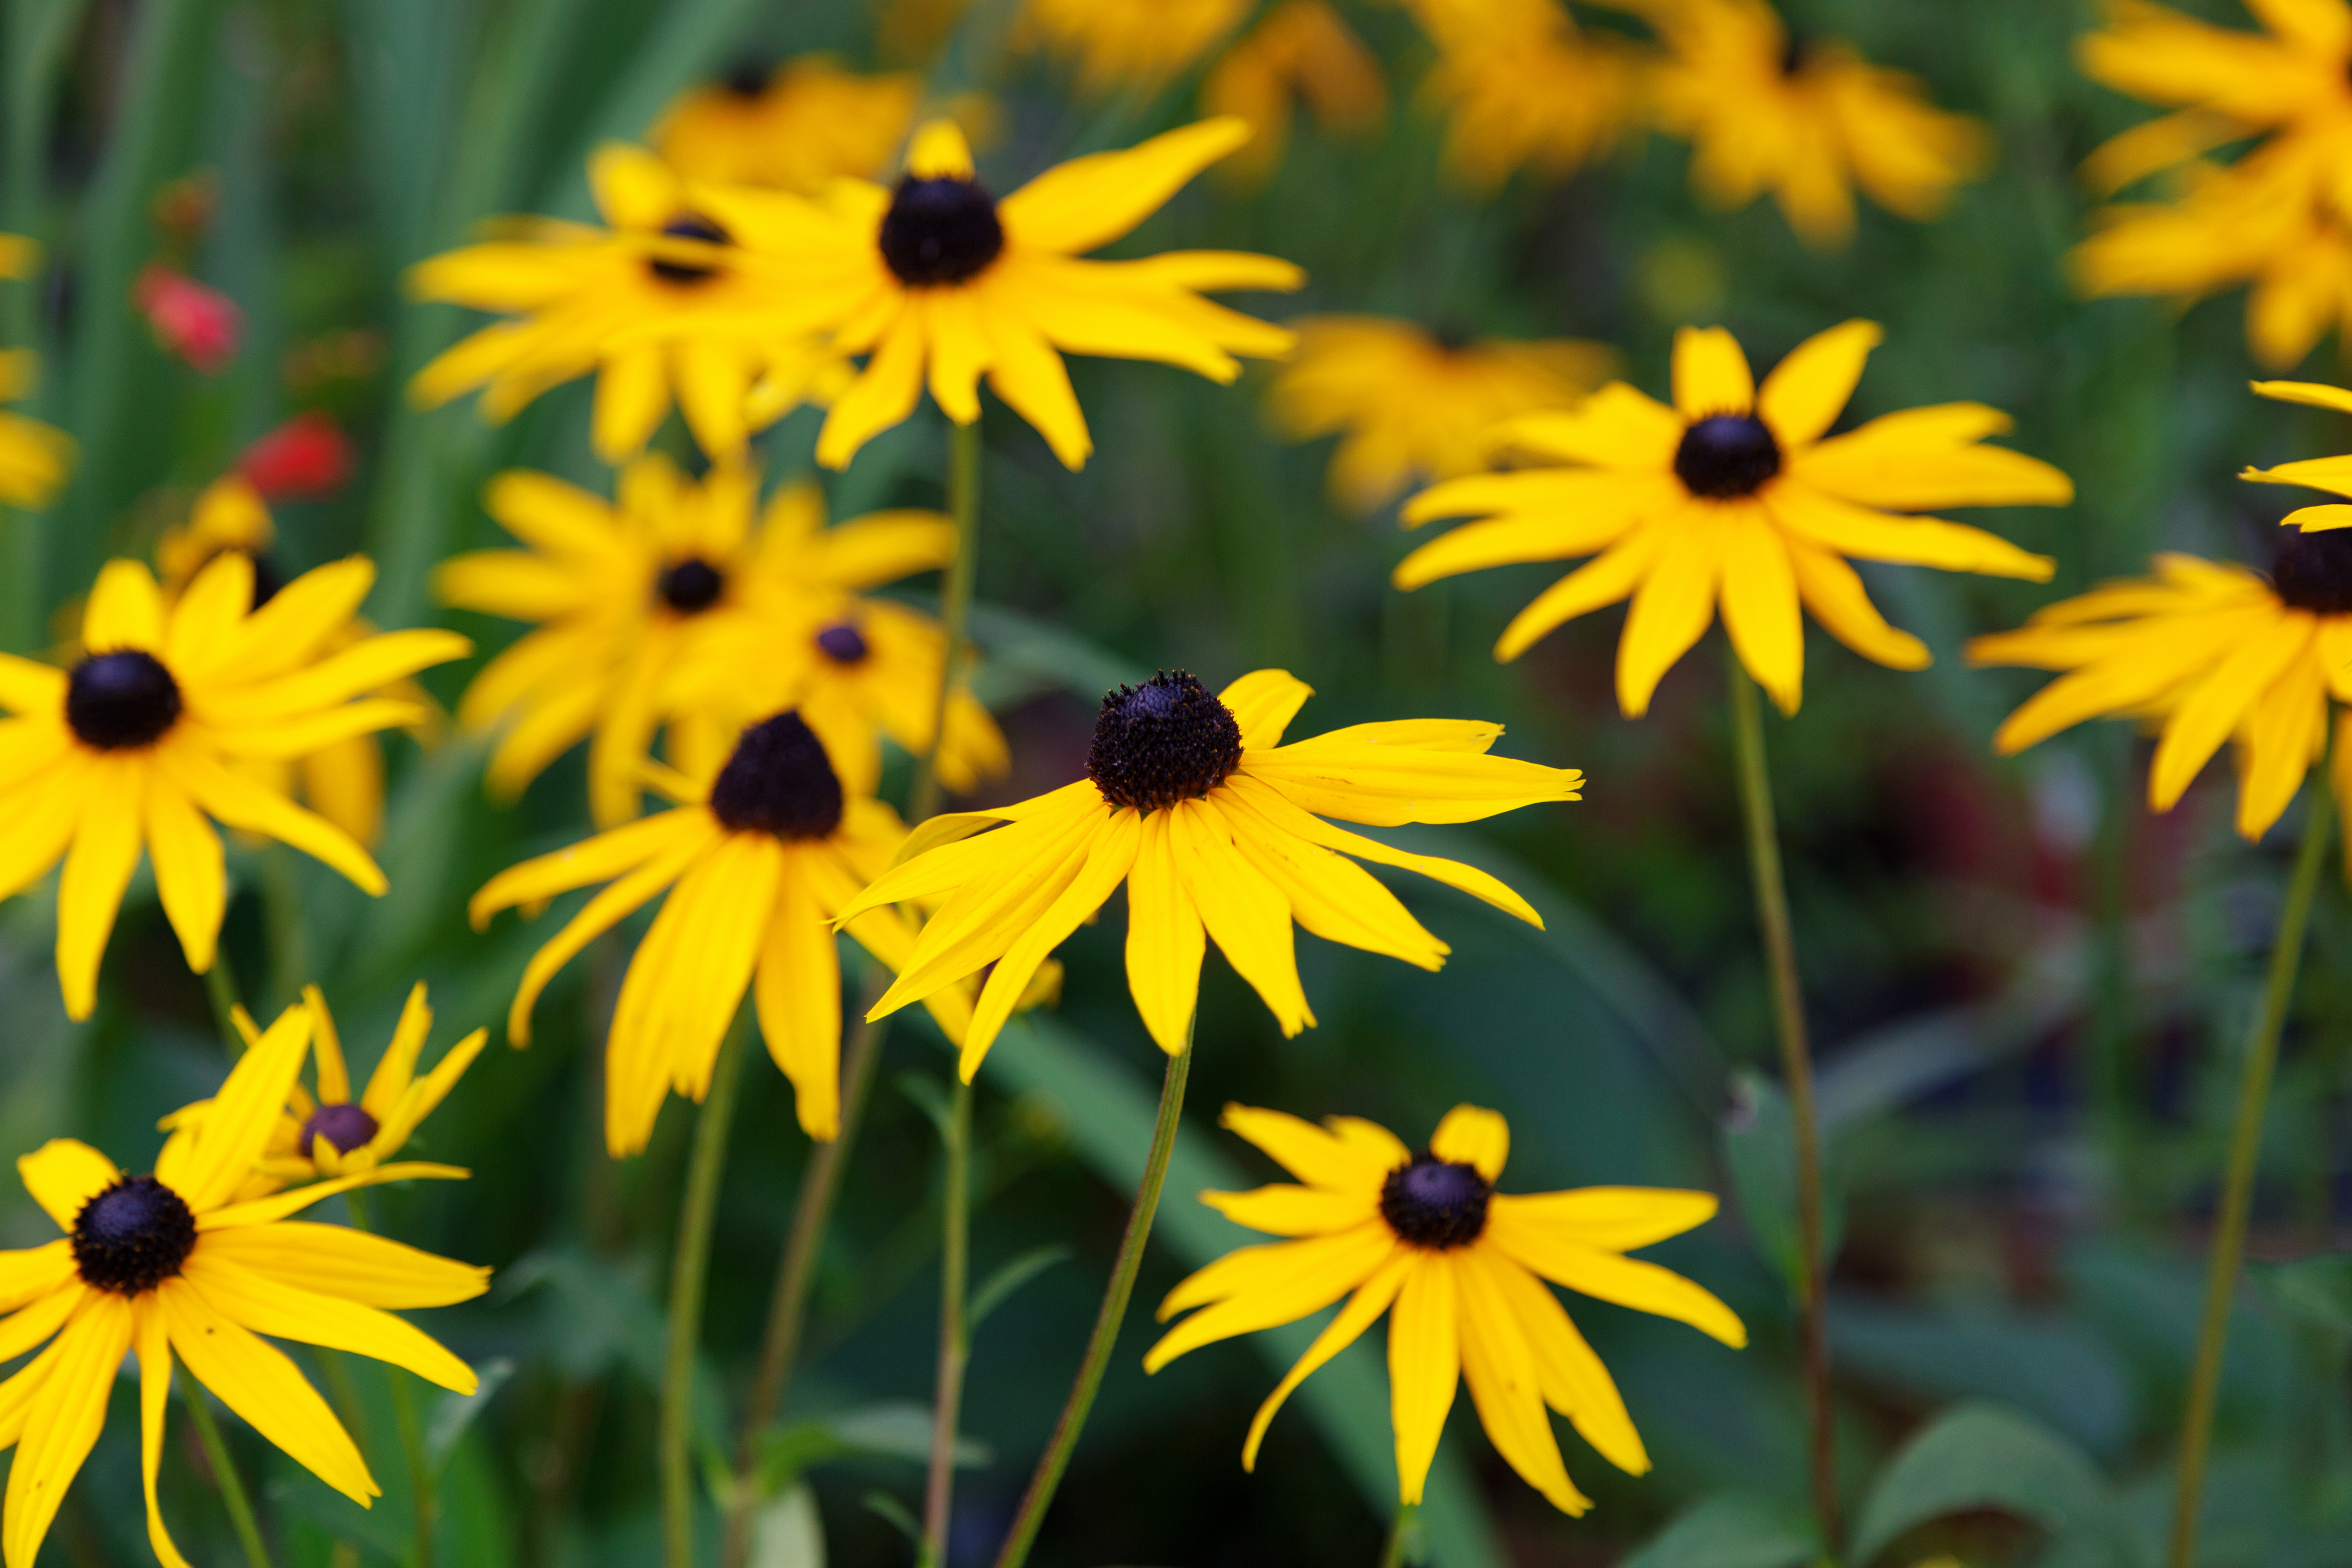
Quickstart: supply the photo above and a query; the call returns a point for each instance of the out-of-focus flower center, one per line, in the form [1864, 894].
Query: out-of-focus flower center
[118, 701]
[1435, 1203]
[748, 78]
[940, 232]
[2314, 572]
[347, 1127]
[1165, 740]
[1792, 53]
[672, 269]
[132, 1236]
[1727, 455]
[843, 644]
[779, 781]
[692, 585]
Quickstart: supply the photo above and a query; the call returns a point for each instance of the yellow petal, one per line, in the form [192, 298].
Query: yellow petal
[287, 1311]
[1264, 702]
[1504, 1384]
[61, 1425]
[191, 873]
[1092, 200]
[1604, 580]
[1574, 1380]
[1165, 938]
[63, 1174]
[1833, 592]
[1711, 376]
[208, 1168]
[239, 801]
[1611, 1219]
[1316, 1155]
[334, 1259]
[32, 1271]
[1760, 608]
[1245, 914]
[1287, 1210]
[1424, 1366]
[2212, 709]
[1806, 392]
[1673, 607]
[256, 1381]
[154, 1346]
[797, 990]
[1109, 860]
[939, 151]
[98, 869]
[2316, 395]
[1372, 1299]
[1263, 1287]
[1644, 1287]
[1471, 1135]
[125, 611]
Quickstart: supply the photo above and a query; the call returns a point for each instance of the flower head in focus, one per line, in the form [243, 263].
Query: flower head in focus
[1525, 87]
[1302, 50]
[1735, 495]
[1214, 827]
[1409, 402]
[1461, 1269]
[200, 324]
[329, 1133]
[1129, 43]
[796, 128]
[173, 1265]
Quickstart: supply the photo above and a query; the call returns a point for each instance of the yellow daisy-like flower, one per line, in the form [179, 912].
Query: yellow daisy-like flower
[2212, 651]
[141, 740]
[764, 851]
[623, 591]
[330, 1133]
[1129, 43]
[172, 1265]
[1301, 50]
[937, 279]
[1524, 87]
[1735, 495]
[1213, 825]
[648, 305]
[796, 128]
[1461, 1269]
[33, 456]
[1411, 404]
[1807, 121]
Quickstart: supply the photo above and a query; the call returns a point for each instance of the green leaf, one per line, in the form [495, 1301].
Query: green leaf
[893, 1511]
[1983, 1456]
[999, 1286]
[1731, 1530]
[891, 1429]
[2316, 1291]
[1760, 1149]
[457, 1412]
[789, 1533]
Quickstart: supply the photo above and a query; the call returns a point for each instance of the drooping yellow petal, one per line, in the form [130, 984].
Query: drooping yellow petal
[154, 1346]
[256, 1380]
[1711, 375]
[1285, 816]
[34, 1271]
[63, 1174]
[1472, 1135]
[1263, 1287]
[1574, 1380]
[1287, 1210]
[287, 1311]
[1644, 1287]
[600, 914]
[1245, 913]
[61, 1425]
[1760, 608]
[2212, 709]
[334, 1259]
[1090, 201]
[1109, 860]
[277, 1205]
[1504, 1384]
[1833, 591]
[1610, 1219]
[191, 873]
[797, 990]
[31, 1324]
[1364, 1308]
[98, 869]
[1424, 1366]
[1673, 607]
[239, 801]
[1165, 938]
[1604, 580]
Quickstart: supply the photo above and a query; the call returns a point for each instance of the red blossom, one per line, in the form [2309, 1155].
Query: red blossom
[201, 325]
[305, 459]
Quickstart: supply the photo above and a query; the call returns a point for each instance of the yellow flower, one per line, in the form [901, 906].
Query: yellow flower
[796, 128]
[1460, 1269]
[1808, 120]
[1213, 825]
[34, 458]
[763, 850]
[649, 306]
[623, 591]
[938, 279]
[1409, 403]
[139, 742]
[172, 1265]
[1733, 494]
[1301, 50]
[1129, 43]
[1526, 87]
[331, 1134]
[2211, 651]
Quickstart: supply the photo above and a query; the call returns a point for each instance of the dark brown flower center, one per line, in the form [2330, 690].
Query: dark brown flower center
[1435, 1203]
[686, 274]
[347, 1127]
[692, 585]
[132, 1236]
[118, 701]
[1727, 455]
[940, 232]
[1165, 740]
[779, 781]
[746, 78]
[2314, 572]
[843, 644]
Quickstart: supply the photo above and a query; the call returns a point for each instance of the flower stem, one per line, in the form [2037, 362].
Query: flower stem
[955, 610]
[1404, 1537]
[1056, 1457]
[689, 1271]
[225, 1477]
[1797, 1068]
[423, 1506]
[955, 1335]
[2238, 1181]
[221, 986]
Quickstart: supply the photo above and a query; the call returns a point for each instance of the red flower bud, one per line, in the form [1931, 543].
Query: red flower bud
[305, 459]
[201, 325]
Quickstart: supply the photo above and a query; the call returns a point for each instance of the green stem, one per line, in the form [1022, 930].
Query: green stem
[955, 609]
[2237, 1182]
[1404, 1537]
[689, 1271]
[225, 1477]
[1056, 1457]
[221, 986]
[423, 1506]
[955, 1335]
[1797, 1068]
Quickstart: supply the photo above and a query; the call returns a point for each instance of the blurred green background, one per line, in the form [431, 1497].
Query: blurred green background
[2026, 992]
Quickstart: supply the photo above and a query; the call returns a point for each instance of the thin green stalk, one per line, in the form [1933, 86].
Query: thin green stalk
[221, 986]
[955, 1333]
[2237, 1182]
[1404, 1537]
[955, 608]
[423, 1506]
[225, 1477]
[1056, 1457]
[689, 1272]
[1797, 1068]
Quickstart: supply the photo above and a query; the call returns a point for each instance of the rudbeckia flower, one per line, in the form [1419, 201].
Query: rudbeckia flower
[2213, 652]
[1736, 494]
[645, 305]
[796, 128]
[763, 850]
[624, 591]
[1525, 87]
[1129, 43]
[936, 279]
[330, 1134]
[1213, 825]
[143, 739]
[172, 1265]
[1461, 1269]
[1805, 120]
[1409, 402]
[1301, 50]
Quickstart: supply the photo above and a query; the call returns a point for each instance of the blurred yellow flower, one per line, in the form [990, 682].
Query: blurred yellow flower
[1736, 494]
[1525, 87]
[765, 849]
[2212, 651]
[34, 458]
[938, 279]
[173, 1265]
[796, 128]
[141, 740]
[1192, 803]
[1129, 43]
[1460, 1269]
[1806, 119]
[331, 1134]
[1411, 404]
[649, 306]
[623, 591]
[1301, 50]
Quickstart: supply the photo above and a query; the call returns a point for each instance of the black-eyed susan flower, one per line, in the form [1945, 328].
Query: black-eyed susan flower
[1461, 1269]
[327, 1134]
[1408, 403]
[1129, 43]
[647, 306]
[1214, 827]
[796, 128]
[762, 851]
[1525, 87]
[1302, 50]
[139, 742]
[939, 281]
[2213, 652]
[172, 1265]
[623, 592]
[1806, 119]
[1735, 495]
